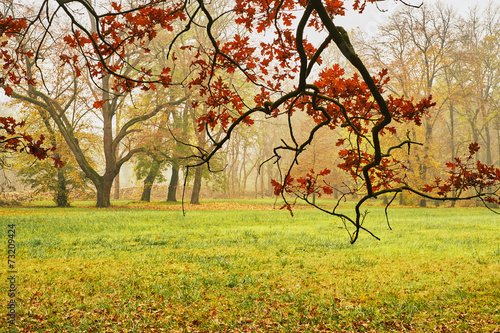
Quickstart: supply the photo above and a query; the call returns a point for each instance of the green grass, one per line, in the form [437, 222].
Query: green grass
[148, 270]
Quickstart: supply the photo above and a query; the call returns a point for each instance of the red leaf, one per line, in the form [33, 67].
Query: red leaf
[8, 91]
[324, 172]
[428, 188]
[58, 163]
[473, 148]
[327, 190]
[278, 189]
[98, 104]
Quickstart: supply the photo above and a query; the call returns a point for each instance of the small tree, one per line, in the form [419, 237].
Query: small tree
[148, 168]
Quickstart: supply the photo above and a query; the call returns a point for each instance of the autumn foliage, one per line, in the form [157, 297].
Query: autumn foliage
[464, 174]
[12, 139]
[268, 47]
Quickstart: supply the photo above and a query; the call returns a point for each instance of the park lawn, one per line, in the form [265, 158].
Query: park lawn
[254, 270]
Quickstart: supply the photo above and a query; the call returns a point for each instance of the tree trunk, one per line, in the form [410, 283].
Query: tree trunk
[116, 187]
[256, 184]
[195, 195]
[172, 186]
[61, 196]
[423, 166]
[234, 170]
[452, 142]
[262, 184]
[475, 133]
[452, 131]
[270, 188]
[149, 181]
[489, 159]
[148, 185]
[104, 191]
[110, 152]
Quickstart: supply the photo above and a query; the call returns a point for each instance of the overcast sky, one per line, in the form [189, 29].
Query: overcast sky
[369, 20]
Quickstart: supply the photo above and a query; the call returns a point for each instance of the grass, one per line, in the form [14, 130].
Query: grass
[148, 270]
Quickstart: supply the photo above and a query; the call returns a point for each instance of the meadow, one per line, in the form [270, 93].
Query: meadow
[249, 268]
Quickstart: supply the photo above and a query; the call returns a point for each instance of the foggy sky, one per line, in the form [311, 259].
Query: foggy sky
[372, 17]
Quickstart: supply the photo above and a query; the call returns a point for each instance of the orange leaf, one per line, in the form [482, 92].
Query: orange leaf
[98, 104]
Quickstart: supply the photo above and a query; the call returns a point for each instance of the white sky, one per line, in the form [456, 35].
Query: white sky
[372, 17]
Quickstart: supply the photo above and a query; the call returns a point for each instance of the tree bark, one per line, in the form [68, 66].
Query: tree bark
[423, 166]
[489, 159]
[262, 185]
[172, 186]
[116, 187]
[256, 184]
[61, 197]
[103, 189]
[195, 195]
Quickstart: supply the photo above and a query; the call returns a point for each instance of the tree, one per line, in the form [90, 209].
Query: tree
[148, 168]
[268, 45]
[479, 78]
[158, 146]
[41, 175]
[75, 95]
